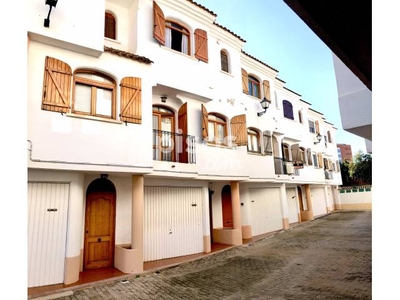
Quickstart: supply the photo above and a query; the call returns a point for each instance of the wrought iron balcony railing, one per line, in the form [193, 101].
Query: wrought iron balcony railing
[174, 147]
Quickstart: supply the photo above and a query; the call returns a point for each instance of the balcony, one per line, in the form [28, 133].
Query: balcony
[284, 167]
[328, 174]
[174, 147]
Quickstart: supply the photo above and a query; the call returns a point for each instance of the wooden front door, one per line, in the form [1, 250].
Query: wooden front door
[99, 230]
[227, 216]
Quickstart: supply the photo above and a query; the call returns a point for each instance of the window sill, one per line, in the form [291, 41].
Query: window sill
[93, 118]
[226, 73]
[255, 153]
[221, 146]
[112, 41]
[179, 53]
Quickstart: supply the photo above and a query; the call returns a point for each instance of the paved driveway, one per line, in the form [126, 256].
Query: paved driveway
[328, 258]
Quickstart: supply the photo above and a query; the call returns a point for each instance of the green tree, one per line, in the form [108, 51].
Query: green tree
[345, 172]
[362, 169]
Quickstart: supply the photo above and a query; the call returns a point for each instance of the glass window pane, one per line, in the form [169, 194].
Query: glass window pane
[211, 133]
[103, 102]
[82, 98]
[220, 133]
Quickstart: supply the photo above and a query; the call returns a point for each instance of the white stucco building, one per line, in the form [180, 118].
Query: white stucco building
[146, 141]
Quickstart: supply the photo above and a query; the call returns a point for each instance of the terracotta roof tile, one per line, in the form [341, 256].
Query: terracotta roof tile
[203, 7]
[128, 55]
[227, 30]
[259, 61]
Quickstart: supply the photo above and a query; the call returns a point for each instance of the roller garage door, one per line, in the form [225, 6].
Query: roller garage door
[266, 211]
[172, 222]
[318, 201]
[47, 232]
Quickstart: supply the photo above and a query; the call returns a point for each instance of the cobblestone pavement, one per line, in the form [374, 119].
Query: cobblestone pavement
[328, 258]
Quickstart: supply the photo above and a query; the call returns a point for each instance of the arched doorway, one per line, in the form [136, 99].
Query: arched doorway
[227, 216]
[99, 224]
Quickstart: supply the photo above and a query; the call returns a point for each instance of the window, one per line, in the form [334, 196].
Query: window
[254, 87]
[216, 129]
[267, 141]
[309, 157]
[300, 117]
[94, 94]
[224, 61]
[315, 160]
[287, 109]
[177, 37]
[311, 126]
[285, 150]
[109, 26]
[253, 141]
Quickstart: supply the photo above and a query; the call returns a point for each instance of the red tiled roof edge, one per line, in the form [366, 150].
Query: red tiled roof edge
[292, 91]
[128, 55]
[231, 32]
[203, 7]
[259, 61]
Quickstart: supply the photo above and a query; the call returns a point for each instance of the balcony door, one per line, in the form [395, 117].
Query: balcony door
[163, 134]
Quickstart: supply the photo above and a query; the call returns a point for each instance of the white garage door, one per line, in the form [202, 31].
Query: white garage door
[318, 201]
[292, 205]
[47, 232]
[266, 211]
[172, 222]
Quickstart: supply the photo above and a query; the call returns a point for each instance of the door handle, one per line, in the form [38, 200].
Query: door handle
[99, 239]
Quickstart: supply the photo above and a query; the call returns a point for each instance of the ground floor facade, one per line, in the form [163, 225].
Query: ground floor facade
[79, 221]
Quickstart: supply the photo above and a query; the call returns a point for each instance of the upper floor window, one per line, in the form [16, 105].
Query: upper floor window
[254, 87]
[253, 140]
[287, 109]
[177, 37]
[285, 151]
[94, 94]
[109, 26]
[216, 129]
[311, 126]
[224, 61]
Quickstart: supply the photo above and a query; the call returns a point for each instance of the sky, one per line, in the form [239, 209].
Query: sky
[275, 35]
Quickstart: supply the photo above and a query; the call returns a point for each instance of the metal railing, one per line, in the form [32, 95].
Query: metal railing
[174, 147]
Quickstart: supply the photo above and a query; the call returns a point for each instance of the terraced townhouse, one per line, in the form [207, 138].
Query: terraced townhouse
[152, 135]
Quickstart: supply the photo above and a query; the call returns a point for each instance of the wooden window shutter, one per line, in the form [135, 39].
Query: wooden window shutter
[201, 44]
[267, 144]
[183, 129]
[267, 92]
[159, 24]
[245, 81]
[239, 130]
[56, 85]
[204, 123]
[131, 100]
[317, 127]
[320, 160]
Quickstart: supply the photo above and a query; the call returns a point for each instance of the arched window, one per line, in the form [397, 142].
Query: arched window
[177, 37]
[287, 109]
[224, 61]
[216, 129]
[110, 26]
[94, 94]
[254, 87]
[253, 141]
[285, 151]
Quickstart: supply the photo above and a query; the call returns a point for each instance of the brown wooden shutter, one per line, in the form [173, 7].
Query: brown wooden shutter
[267, 144]
[56, 85]
[159, 24]
[320, 160]
[245, 81]
[131, 100]
[267, 92]
[239, 130]
[317, 127]
[201, 44]
[183, 126]
[204, 123]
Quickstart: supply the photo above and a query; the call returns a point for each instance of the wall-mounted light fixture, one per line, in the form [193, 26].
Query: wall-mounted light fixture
[163, 99]
[264, 104]
[319, 137]
[51, 3]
